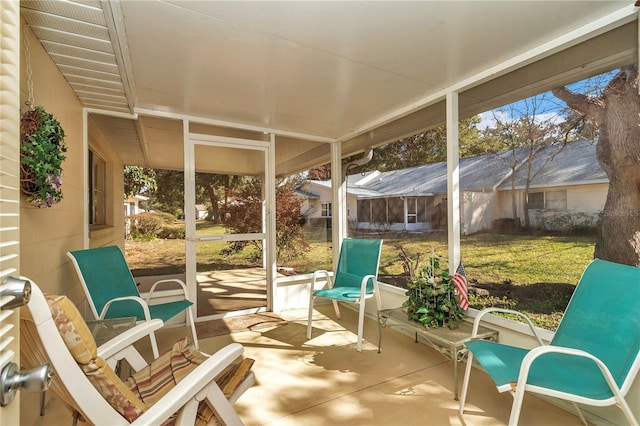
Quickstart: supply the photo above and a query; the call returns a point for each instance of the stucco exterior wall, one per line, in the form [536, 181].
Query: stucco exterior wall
[47, 234]
[587, 198]
[476, 211]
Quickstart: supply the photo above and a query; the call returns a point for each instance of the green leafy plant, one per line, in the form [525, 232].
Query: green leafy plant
[432, 299]
[42, 151]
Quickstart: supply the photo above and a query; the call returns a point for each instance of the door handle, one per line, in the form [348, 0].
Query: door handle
[11, 380]
[18, 289]
[18, 293]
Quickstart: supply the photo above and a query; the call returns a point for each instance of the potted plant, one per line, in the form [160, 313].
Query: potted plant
[432, 298]
[42, 151]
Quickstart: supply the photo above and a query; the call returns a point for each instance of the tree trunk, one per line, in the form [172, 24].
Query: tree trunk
[214, 203]
[617, 114]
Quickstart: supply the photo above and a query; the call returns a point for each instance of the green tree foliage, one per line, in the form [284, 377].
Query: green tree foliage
[169, 193]
[138, 180]
[428, 147]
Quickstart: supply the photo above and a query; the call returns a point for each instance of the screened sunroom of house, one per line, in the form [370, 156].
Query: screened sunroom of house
[270, 89]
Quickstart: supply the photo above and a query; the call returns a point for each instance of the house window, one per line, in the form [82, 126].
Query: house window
[535, 201]
[97, 189]
[412, 210]
[555, 200]
[548, 200]
[326, 209]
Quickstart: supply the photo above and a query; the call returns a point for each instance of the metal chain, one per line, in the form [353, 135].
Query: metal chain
[27, 55]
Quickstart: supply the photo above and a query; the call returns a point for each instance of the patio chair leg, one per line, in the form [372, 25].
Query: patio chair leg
[579, 412]
[310, 317]
[518, 397]
[360, 326]
[192, 323]
[465, 382]
[336, 308]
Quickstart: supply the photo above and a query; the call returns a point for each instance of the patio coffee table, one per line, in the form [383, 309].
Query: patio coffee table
[105, 330]
[449, 343]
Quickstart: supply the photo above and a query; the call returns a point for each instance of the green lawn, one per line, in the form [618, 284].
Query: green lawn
[504, 261]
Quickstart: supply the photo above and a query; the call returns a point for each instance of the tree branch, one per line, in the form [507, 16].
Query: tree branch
[583, 104]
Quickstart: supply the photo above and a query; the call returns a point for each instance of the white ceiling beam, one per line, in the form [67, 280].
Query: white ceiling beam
[239, 126]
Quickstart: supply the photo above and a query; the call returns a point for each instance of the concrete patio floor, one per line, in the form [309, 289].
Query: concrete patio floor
[324, 381]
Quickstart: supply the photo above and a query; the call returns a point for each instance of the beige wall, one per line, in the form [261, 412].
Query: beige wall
[581, 199]
[475, 211]
[47, 234]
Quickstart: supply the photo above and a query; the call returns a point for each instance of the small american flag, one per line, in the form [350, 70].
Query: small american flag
[460, 280]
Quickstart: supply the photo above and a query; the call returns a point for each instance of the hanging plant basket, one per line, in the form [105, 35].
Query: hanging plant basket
[41, 156]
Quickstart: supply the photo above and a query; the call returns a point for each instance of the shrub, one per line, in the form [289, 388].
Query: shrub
[145, 224]
[167, 218]
[172, 232]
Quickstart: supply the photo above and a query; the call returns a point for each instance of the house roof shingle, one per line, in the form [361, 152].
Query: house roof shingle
[574, 163]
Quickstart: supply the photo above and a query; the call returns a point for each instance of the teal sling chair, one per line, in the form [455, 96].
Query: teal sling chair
[593, 358]
[112, 292]
[355, 280]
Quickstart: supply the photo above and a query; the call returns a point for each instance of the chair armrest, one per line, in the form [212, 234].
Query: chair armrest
[363, 285]
[317, 275]
[120, 347]
[143, 304]
[180, 283]
[476, 322]
[191, 388]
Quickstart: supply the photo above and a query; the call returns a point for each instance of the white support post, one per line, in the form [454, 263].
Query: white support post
[270, 178]
[85, 178]
[338, 212]
[190, 215]
[453, 182]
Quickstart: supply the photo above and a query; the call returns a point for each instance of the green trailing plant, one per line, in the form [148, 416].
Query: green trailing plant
[432, 299]
[42, 151]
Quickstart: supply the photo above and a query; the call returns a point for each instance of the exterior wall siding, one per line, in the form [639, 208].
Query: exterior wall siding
[47, 234]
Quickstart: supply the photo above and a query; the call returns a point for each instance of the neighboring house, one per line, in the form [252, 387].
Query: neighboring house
[201, 211]
[132, 205]
[568, 186]
[570, 189]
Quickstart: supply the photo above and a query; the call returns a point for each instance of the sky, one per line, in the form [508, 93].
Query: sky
[545, 105]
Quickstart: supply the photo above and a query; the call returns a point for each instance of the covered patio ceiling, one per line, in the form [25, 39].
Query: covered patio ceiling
[315, 72]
